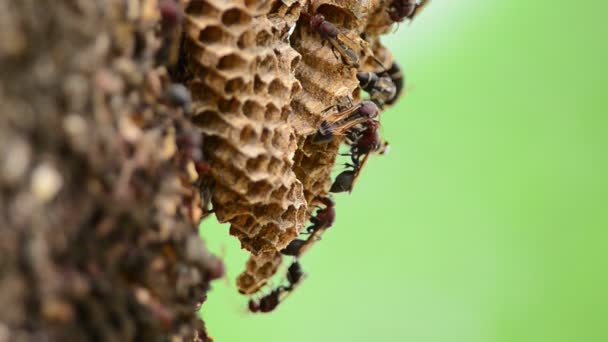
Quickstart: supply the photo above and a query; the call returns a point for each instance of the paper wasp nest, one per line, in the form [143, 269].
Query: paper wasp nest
[260, 84]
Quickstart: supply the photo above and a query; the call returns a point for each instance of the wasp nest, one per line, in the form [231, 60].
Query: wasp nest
[262, 80]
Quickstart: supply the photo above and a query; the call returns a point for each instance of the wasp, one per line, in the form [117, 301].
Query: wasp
[329, 32]
[339, 41]
[383, 87]
[345, 181]
[394, 72]
[380, 88]
[363, 142]
[324, 217]
[269, 302]
[295, 248]
[401, 9]
[339, 123]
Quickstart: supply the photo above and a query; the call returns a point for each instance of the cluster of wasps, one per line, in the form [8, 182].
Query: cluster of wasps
[357, 123]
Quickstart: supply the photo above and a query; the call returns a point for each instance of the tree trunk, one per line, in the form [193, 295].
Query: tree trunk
[98, 215]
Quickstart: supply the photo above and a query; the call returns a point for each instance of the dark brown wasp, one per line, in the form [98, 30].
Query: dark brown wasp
[324, 219]
[295, 248]
[401, 9]
[344, 181]
[270, 301]
[383, 87]
[380, 88]
[295, 275]
[394, 72]
[339, 41]
[341, 122]
[364, 141]
[329, 32]
[325, 216]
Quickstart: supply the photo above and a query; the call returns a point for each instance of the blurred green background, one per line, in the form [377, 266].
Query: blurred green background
[487, 221]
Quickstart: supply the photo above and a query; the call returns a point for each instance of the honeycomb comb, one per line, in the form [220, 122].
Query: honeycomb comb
[261, 79]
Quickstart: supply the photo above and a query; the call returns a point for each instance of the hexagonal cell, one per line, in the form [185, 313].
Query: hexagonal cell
[272, 209]
[277, 88]
[253, 245]
[267, 64]
[286, 112]
[246, 40]
[279, 194]
[338, 15]
[257, 5]
[235, 16]
[246, 224]
[290, 214]
[201, 92]
[266, 135]
[266, 271]
[202, 8]
[274, 166]
[253, 110]
[246, 283]
[294, 9]
[251, 265]
[240, 220]
[259, 87]
[277, 8]
[211, 35]
[251, 3]
[257, 164]
[234, 85]
[295, 88]
[272, 112]
[210, 119]
[263, 38]
[277, 139]
[232, 62]
[231, 105]
[259, 188]
[248, 135]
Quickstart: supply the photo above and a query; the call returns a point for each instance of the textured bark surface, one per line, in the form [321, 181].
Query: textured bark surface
[98, 212]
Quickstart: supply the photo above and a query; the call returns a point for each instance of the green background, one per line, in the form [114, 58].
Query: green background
[487, 221]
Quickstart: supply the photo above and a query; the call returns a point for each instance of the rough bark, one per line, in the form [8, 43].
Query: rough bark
[98, 212]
